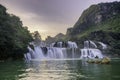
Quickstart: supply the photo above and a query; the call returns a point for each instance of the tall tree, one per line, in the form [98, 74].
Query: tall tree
[14, 37]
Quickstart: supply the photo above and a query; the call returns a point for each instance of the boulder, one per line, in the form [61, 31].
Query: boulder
[105, 60]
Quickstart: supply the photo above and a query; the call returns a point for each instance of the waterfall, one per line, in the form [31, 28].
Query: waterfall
[68, 44]
[58, 50]
[62, 50]
[90, 50]
[72, 44]
[104, 46]
[93, 44]
[52, 53]
[55, 53]
[88, 44]
[91, 53]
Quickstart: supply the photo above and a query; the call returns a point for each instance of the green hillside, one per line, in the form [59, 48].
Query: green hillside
[99, 22]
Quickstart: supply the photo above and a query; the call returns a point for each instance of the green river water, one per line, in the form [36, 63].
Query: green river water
[59, 70]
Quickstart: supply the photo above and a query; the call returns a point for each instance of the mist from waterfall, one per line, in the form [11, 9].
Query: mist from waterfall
[64, 50]
[56, 51]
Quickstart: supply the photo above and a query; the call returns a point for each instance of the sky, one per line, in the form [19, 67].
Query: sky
[49, 17]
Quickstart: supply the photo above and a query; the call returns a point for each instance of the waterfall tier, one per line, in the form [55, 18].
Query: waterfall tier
[91, 53]
[52, 53]
[68, 44]
[90, 50]
[59, 51]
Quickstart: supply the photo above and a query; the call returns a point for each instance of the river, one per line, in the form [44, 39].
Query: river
[56, 69]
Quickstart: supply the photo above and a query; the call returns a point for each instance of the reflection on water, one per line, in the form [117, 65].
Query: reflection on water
[59, 70]
[69, 70]
[52, 70]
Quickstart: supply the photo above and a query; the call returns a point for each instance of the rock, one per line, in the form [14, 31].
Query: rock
[90, 61]
[94, 61]
[105, 60]
[97, 61]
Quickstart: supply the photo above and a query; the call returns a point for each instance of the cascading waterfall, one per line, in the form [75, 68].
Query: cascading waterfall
[72, 44]
[68, 44]
[58, 52]
[62, 50]
[55, 53]
[104, 46]
[91, 53]
[89, 44]
[90, 50]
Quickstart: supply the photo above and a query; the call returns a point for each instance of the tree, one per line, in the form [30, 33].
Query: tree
[14, 37]
[37, 38]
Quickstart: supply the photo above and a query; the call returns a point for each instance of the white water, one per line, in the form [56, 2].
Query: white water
[69, 44]
[52, 53]
[89, 44]
[72, 44]
[90, 50]
[71, 52]
[91, 53]
[104, 46]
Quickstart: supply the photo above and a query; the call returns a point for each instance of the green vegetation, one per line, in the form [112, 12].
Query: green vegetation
[88, 12]
[57, 38]
[99, 22]
[107, 32]
[37, 38]
[14, 37]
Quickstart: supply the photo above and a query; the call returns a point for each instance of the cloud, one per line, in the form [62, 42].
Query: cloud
[49, 17]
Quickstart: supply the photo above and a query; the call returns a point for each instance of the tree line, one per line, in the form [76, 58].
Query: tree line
[14, 37]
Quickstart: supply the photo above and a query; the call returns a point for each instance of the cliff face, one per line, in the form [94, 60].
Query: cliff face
[99, 22]
[94, 15]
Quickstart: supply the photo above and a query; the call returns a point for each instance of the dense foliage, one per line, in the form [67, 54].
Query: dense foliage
[14, 37]
[99, 22]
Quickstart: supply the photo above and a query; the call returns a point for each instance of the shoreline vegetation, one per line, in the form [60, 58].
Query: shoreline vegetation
[100, 22]
[14, 37]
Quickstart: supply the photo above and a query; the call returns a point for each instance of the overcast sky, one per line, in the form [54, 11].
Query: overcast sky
[49, 17]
